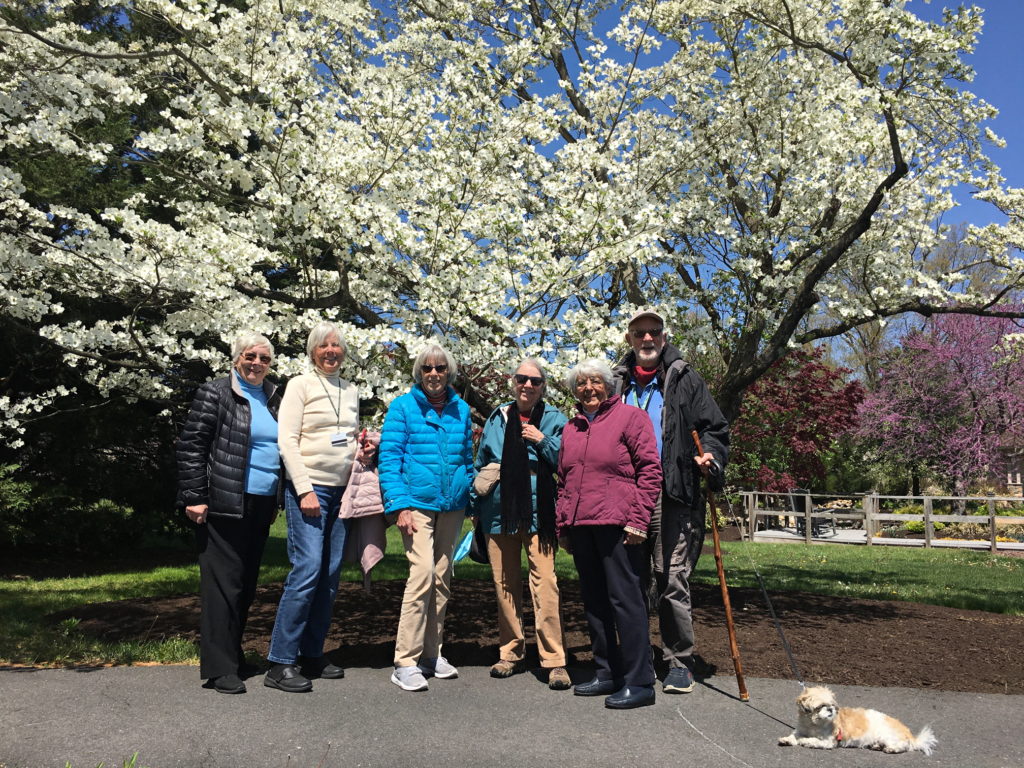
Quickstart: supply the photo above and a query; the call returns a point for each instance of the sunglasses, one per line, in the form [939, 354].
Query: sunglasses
[250, 357]
[439, 368]
[654, 333]
[523, 378]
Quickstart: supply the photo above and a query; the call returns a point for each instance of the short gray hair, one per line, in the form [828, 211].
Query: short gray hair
[319, 334]
[538, 364]
[592, 367]
[434, 350]
[247, 339]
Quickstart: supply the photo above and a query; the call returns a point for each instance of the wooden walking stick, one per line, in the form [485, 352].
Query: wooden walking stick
[734, 649]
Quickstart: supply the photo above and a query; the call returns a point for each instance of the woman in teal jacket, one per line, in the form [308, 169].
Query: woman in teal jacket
[426, 467]
[517, 510]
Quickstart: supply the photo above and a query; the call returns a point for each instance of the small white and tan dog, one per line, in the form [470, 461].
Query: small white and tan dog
[823, 724]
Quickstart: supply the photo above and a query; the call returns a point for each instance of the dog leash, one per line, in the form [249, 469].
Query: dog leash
[778, 625]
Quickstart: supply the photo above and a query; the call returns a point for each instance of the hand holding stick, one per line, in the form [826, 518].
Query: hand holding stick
[734, 649]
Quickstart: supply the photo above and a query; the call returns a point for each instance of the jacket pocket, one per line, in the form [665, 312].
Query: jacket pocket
[620, 498]
[459, 490]
[422, 483]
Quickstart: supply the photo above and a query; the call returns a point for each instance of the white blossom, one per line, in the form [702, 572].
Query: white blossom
[455, 170]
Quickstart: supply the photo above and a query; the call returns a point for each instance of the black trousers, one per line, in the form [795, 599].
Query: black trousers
[230, 551]
[613, 602]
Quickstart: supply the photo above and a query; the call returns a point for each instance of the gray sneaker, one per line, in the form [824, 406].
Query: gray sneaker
[409, 678]
[678, 680]
[439, 668]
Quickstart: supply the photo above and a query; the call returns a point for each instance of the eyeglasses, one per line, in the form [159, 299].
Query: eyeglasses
[250, 357]
[523, 378]
[439, 368]
[654, 333]
[592, 381]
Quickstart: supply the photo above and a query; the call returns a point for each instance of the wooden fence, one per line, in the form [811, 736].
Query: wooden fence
[802, 515]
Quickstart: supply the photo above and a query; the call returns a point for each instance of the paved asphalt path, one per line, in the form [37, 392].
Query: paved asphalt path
[50, 717]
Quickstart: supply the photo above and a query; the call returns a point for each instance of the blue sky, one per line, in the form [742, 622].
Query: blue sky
[999, 66]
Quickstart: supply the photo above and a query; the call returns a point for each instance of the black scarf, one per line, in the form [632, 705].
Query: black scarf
[516, 496]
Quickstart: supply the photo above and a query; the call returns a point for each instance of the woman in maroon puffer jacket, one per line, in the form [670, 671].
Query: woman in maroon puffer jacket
[609, 478]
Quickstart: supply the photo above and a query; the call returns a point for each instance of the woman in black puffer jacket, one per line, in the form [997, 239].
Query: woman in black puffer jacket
[228, 468]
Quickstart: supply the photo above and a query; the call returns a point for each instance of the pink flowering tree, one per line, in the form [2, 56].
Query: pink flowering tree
[950, 401]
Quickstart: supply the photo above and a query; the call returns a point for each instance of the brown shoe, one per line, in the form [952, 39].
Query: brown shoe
[558, 679]
[506, 668]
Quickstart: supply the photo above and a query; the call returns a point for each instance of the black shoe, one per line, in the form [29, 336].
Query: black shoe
[286, 677]
[321, 667]
[597, 687]
[631, 697]
[228, 684]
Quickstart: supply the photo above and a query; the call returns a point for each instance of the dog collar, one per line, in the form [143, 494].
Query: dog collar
[839, 734]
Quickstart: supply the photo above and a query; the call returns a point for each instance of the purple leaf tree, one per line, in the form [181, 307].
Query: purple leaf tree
[790, 419]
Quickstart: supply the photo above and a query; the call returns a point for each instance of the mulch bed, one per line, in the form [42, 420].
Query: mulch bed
[841, 641]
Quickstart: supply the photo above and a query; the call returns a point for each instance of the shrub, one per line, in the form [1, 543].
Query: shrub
[38, 520]
[917, 526]
[1011, 533]
[15, 503]
[966, 531]
[108, 527]
[909, 509]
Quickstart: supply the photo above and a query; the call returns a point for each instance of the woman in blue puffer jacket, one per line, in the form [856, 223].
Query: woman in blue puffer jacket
[426, 467]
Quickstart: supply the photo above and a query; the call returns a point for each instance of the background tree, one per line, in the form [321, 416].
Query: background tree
[950, 402]
[791, 421]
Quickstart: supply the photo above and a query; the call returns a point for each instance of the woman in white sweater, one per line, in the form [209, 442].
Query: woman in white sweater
[317, 427]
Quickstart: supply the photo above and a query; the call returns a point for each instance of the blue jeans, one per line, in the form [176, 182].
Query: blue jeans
[315, 546]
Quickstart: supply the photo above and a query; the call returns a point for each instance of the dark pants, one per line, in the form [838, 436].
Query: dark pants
[613, 602]
[675, 538]
[230, 550]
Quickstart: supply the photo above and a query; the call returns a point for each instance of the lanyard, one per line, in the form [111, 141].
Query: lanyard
[335, 408]
[642, 404]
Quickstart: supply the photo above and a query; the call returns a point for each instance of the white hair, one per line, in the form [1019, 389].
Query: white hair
[319, 334]
[247, 340]
[592, 367]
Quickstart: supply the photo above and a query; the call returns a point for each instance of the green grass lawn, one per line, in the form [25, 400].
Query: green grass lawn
[955, 578]
[950, 577]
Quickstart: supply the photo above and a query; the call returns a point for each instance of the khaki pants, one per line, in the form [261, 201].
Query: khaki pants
[429, 552]
[504, 551]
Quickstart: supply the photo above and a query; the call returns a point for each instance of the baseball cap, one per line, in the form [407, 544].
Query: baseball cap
[646, 313]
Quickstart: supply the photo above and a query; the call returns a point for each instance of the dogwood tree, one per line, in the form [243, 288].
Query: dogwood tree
[513, 177]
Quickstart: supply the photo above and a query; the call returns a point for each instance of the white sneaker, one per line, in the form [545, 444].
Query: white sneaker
[409, 678]
[439, 668]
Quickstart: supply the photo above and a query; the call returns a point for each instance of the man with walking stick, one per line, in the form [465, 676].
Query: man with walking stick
[654, 377]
